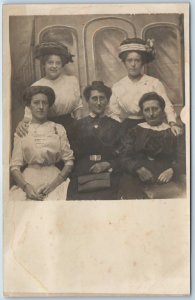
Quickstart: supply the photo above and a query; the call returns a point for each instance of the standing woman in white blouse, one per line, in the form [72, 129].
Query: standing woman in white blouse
[126, 93]
[68, 104]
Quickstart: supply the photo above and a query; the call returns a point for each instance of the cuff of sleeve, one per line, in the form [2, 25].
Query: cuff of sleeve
[69, 163]
[15, 168]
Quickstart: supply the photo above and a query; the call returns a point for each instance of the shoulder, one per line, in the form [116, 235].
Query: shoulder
[111, 121]
[148, 78]
[57, 127]
[120, 83]
[70, 79]
[82, 121]
[41, 81]
[152, 82]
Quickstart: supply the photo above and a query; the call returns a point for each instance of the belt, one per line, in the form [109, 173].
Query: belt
[95, 157]
[39, 166]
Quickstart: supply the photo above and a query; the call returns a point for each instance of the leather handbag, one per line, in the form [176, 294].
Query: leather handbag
[93, 182]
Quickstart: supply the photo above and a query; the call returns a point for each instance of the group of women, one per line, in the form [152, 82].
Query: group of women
[128, 141]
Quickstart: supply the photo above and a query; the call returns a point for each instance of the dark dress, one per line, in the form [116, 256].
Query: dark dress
[145, 147]
[94, 136]
[67, 122]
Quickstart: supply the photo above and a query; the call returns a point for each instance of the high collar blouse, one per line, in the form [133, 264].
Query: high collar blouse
[126, 94]
[45, 144]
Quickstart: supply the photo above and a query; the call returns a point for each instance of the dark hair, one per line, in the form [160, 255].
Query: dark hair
[45, 57]
[34, 90]
[152, 96]
[145, 55]
[97, 86]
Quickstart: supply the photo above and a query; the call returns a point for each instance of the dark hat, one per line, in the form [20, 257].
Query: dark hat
[152, 96]
[99, 86]
[36, 89]
[52, 48]
[145, 48]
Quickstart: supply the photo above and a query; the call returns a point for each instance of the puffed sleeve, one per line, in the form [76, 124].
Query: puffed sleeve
[77, 94]
[114, 109]
[66, 152]
[169, 110]
[17, 160]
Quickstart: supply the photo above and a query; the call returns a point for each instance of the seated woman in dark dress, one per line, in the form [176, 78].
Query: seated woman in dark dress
[96, 139]
[149, 152]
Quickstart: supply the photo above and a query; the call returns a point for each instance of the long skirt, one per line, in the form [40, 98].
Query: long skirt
[38, 175]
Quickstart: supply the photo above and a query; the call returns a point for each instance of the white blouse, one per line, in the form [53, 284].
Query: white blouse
[67, 93]
[45, 144]
[124, 102]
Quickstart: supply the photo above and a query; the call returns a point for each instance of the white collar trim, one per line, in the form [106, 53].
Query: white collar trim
[91, 114]
[161, 127]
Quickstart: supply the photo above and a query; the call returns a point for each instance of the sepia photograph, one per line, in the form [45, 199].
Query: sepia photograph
[97, 149]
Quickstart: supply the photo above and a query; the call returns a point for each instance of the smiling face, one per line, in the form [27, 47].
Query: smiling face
[53, 67]
[97, 102]
[39, 107]
[133, 64]
[153, 112]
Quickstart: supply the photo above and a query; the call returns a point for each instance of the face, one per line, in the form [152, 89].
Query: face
[97, 102]
[152, 112]
[39, 107]
[133, 64]
[53, 67]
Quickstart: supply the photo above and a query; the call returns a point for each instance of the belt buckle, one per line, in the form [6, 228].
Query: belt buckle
[95, 157]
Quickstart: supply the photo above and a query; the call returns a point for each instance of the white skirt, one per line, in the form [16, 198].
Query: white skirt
[38, 175]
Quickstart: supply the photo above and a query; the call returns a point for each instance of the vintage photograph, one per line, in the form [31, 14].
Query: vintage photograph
[97, 108]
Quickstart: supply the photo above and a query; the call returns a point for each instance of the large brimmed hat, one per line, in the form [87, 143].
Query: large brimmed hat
[99, 86]
[52, 48]
[146, 48]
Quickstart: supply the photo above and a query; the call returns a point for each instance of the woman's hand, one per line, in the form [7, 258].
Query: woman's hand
[100, 167]
[78, 114]
[22, 128]
[176, 130]
[31, 193]
[144, 174]
[166, 176]
[45, 189]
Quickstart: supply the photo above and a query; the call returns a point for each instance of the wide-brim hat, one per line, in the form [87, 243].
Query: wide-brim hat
[52, 48]
[138, 45]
